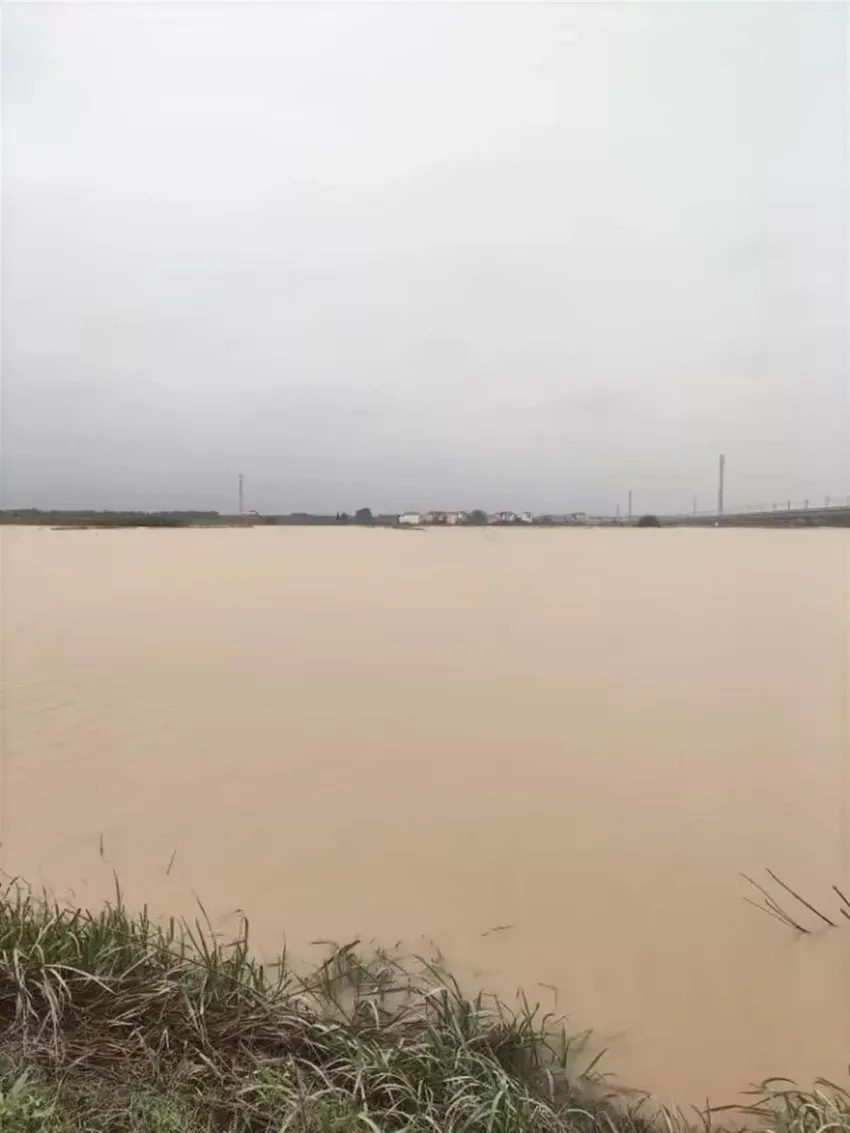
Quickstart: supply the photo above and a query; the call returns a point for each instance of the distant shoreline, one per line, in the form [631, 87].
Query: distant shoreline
[837, 517]
[85, 521]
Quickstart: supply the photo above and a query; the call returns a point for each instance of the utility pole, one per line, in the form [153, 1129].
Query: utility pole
[630, 505]
[695, 505]
[720, 479]
[241, 494]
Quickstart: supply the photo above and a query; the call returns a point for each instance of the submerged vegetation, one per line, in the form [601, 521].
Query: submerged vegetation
[791, 909]
[112, 1022]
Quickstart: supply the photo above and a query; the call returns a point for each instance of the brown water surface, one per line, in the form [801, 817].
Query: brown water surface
[585, 735]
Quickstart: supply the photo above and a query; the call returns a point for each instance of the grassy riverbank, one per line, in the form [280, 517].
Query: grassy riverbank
[110, 1023]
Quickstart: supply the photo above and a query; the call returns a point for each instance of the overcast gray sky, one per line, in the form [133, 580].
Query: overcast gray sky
[424, 255]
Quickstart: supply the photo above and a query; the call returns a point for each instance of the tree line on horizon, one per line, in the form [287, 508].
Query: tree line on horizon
[106, 518]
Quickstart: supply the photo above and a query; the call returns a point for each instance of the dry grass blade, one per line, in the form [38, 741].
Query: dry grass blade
[802, 900]
[770, 906]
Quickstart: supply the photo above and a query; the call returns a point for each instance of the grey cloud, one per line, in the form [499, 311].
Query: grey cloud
[413, 255]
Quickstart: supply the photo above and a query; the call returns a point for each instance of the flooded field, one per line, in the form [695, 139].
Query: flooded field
[550, 752]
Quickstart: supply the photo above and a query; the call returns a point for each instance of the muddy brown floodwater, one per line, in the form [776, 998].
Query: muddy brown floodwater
[585, 735]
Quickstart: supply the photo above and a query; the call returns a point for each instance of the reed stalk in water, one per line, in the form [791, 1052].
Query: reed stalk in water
[770, 903]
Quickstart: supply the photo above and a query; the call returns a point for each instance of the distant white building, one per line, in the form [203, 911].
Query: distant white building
[444, 518]
[438, 518]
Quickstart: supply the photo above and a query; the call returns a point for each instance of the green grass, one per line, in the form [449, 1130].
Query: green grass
[113, 1023]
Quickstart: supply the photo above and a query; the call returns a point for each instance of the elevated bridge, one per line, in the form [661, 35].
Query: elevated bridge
[836, 515]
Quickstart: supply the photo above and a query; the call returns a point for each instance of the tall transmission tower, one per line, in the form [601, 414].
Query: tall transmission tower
[721, 474]
[241, 494]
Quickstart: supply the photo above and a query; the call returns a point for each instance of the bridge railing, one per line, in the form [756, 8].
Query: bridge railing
[809, 504]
